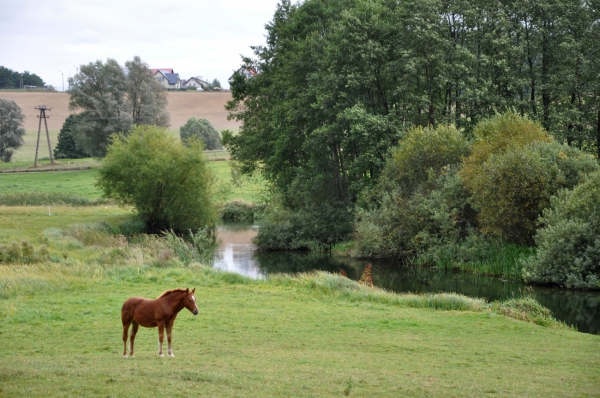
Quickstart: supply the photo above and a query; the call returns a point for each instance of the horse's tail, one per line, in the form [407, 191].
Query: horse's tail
[127, 311]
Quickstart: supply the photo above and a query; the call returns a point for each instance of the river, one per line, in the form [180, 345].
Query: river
[236, 253]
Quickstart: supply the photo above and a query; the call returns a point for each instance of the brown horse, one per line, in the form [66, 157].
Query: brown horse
[151, 313]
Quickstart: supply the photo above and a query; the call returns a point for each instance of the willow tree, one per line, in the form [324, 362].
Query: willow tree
[112, 99]
[11, 128]
[167, 183]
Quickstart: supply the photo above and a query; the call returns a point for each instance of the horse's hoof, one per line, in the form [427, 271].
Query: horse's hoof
[171, 355]
[161, 355]
[125, 356]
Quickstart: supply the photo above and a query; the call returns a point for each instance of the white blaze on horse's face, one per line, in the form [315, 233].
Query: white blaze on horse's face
[191, 303]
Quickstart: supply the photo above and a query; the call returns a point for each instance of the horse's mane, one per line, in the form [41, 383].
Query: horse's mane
[171, 291]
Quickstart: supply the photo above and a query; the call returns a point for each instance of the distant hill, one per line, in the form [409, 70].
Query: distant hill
[181, 105]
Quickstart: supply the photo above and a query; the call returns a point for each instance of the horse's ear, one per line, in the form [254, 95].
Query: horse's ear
[187, 290]
[194, 291]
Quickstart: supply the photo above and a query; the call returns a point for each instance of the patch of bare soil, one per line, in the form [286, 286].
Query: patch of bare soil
[181, 105]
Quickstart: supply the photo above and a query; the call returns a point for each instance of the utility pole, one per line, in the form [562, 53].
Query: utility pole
[63, 80]
[43, 109]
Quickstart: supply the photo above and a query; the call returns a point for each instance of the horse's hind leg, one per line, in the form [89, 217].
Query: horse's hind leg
[125, 332]
[126, 319]
[134, 330]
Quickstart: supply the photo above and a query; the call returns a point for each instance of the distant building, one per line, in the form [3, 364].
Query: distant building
[166, 77]
[196, 81]
[247, 72]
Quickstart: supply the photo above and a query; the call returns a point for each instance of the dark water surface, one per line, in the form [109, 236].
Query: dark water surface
[236, 253]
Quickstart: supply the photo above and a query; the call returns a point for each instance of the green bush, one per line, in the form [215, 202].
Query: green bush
[498, 134]
[316, 228]
[569, 242]
[196, 248]
[11, 128]
[419, 201]
[167, 183]
[203, 130]
[410, 226]
[239, 210]
[421, 151]
[512, 188]
[24, 253]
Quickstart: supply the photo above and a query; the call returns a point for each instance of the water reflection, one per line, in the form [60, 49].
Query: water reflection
[236, 253]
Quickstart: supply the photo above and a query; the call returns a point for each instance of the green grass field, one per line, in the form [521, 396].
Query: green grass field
[257, 338]
[26, 153]
[79, 182]
[312, 335]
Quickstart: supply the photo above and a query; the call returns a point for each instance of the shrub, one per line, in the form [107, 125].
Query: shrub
[197, 248]
[404, 226]
[203, 130]
[24, 253]
[569, 242]
[419, 201]
[167, 183]
[316, 228]
[498, 134]
[512, 188]
[239, 210]
[421, 151]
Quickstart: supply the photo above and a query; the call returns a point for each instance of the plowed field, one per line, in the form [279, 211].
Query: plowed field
[181, 105]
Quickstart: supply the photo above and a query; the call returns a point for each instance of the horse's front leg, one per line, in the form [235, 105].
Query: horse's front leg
[169, 330]
[134, 329]
[161, 337]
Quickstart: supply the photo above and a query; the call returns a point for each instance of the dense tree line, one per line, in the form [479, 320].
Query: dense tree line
[12, 79]
[340, 81]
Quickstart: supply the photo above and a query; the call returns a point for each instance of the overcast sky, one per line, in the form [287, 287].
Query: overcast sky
[195, 38]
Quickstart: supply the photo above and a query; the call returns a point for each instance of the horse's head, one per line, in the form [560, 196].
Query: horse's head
[189, 301]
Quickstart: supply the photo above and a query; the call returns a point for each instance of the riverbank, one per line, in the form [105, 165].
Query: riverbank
[290, 337]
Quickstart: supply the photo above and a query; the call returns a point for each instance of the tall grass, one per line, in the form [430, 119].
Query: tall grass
[334, 286]
[479, 256]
